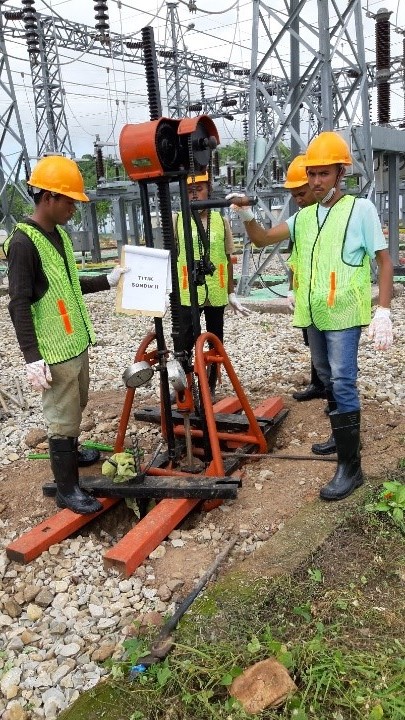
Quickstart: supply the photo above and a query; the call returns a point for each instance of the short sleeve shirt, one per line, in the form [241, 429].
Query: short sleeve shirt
[364, 232]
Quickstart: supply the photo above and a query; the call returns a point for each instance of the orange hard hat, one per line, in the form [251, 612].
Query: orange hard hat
[328, 148]
[296, 173]
[194, 179]
[59, 175]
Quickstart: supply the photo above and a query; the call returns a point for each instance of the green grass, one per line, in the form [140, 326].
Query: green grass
[337, 624]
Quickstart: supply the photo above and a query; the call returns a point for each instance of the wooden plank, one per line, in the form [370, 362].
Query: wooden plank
[269, 407]
[144, 537]
[227, 405]
[138, 543]
[159, 487]
[56, 528]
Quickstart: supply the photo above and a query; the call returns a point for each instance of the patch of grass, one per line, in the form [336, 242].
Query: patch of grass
[337, 624]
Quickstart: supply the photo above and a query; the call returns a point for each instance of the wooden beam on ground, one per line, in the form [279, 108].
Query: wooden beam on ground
[56, 528]
[139, 542]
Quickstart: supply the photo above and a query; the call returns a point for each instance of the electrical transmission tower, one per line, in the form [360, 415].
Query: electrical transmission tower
[329, 91]
[14, 162]
[176, 69]
[51, 126]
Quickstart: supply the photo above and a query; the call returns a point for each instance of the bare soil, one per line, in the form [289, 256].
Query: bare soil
[272, 489]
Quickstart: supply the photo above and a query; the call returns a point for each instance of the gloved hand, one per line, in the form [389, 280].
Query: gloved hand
[245, 212]
[114, 276]
[39, 375]
[236, 306]
[380, 329]
[291, 300]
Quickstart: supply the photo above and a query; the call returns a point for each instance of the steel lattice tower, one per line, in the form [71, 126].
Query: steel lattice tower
[176, 69]
[14, 161]
[329, 92]
[51, 124]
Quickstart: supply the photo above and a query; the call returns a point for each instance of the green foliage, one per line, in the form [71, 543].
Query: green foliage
[315, 575]
[87, 167]
[19, 208]
[391, 501]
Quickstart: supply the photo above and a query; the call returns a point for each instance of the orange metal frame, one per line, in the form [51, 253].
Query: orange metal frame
[136, 545]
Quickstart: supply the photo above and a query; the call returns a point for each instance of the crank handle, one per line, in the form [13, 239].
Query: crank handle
[244, 201]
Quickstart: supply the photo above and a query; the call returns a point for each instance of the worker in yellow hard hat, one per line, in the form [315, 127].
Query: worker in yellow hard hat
[296, 182]
[51, 321]
[218, 289]
[333, 243]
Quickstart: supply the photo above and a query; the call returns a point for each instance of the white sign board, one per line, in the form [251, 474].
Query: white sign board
[145, 288]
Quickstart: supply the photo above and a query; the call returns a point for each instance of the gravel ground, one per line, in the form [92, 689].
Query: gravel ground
[62, 615]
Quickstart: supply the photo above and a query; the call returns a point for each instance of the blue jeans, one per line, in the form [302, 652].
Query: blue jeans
[334, 355]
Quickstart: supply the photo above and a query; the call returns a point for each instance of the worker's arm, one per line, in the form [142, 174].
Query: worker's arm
[385, 278]
[380, 329]
[261, 237]
[257, 234]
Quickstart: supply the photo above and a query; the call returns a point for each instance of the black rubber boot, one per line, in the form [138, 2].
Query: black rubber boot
[63, 454]
[348, 475]
[326, 448]
[314, 390]
[86, 456]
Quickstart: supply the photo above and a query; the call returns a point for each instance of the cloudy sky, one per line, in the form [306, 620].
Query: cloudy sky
[102, 94]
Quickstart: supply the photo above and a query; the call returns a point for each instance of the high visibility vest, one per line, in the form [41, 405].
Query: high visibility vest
[329, 293]
[62, 324]
[215, 290]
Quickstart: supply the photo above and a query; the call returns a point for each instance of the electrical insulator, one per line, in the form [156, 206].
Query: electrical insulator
[233, 177]
[274, 165]
[100, 173]
[101, 15]
[216, 162]
[31, 26]
[16, 15]
[202, 88]
[383, 61]
[229, 174]
[195, 107]
[245, 126]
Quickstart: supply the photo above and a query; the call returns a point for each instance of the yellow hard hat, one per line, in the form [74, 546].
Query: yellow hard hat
[296, 173]
[194, 179]
[328, 148]
[59, 175]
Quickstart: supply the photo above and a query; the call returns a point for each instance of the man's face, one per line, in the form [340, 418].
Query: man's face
[199, 191]
[303, 196]
[321, 178]
[62, 208]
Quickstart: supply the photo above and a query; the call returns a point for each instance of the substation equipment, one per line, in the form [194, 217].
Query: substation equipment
[205, 443]
[323, 84]
[165, 151]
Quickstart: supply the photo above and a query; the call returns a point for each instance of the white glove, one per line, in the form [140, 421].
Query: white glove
[39, 375]
[236, 306]
[244, 213]
[114, 276]
[380, 329]
[291, 300]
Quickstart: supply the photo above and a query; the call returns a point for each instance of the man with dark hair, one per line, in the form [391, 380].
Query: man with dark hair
[51, 321]
[333, 242]
[297, 183]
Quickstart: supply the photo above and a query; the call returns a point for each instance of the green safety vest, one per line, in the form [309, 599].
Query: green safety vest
[62, 324]
[215, 290]
[329, 293]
